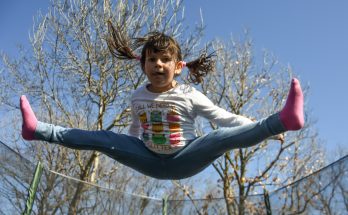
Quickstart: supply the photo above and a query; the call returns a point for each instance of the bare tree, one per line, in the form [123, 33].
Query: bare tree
[72, 80]
[243, 87]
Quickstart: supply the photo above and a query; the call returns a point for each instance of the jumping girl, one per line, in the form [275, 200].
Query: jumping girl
[162, 141]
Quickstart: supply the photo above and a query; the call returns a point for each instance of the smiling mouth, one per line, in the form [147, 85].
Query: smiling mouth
[158, 74]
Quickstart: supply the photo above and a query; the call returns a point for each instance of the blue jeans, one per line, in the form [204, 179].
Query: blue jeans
[190, 160]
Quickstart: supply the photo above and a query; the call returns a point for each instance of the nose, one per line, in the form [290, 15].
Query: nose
[158, 63]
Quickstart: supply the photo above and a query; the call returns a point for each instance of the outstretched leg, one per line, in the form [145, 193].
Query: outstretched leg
[29, 119]
[201, 152]
[292, 113]
[127, 150]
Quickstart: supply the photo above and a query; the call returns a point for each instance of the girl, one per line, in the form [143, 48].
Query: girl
[162, 142]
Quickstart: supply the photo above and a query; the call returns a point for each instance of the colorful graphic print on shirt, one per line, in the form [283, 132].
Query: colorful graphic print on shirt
[161, 124]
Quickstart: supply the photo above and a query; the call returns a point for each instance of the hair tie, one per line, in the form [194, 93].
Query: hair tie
[183, 63]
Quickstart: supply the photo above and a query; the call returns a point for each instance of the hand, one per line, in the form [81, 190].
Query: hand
[280, 137]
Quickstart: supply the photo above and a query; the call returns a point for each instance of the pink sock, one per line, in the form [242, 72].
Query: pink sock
[29, 119]
[292, 113]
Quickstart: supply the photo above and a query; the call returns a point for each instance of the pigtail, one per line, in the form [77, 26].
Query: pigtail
[119, 43]
[200, 67]
[121, 47]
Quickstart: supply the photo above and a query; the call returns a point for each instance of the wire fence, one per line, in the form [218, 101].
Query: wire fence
[323, 192]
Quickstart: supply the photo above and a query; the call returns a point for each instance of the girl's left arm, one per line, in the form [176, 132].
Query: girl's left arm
[204, 107]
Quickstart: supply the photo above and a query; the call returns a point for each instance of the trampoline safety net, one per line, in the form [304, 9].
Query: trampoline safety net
[323, 192]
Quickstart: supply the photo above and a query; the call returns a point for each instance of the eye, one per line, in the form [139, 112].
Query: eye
[166, 59]
[151, 59]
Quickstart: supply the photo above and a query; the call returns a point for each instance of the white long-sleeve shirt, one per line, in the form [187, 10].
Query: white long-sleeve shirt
[166, 121]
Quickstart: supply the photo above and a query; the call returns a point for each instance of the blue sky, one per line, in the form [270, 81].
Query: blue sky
[311, 36]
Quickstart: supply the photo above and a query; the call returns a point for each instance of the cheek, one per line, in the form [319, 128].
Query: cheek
[146, 67]
[170, 67]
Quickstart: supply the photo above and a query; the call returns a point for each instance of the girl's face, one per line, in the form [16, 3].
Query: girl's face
[160, 69]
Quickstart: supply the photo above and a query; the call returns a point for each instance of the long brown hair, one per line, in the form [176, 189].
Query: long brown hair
[121, 47]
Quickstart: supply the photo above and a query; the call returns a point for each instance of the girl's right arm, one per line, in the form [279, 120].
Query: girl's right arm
[134, 128]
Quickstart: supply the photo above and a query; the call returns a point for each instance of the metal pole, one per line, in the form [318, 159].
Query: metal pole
[33, 188]
[164, 205]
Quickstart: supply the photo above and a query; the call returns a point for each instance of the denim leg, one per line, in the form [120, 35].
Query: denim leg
[132, 152]
[202, 151]
[127, 150]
